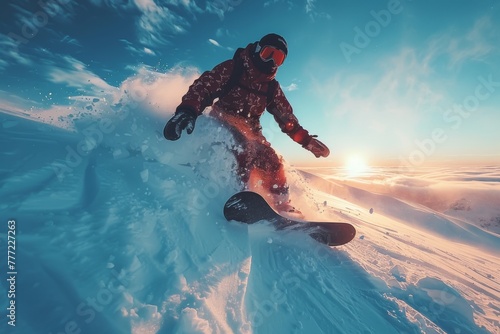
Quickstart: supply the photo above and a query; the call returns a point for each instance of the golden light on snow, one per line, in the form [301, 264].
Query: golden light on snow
[355, 165]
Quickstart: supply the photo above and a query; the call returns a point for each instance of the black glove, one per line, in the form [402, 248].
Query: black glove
[183, 119]
[317, 148]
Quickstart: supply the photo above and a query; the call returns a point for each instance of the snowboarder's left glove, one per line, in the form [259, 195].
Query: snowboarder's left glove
[183, 119]
[317, 148]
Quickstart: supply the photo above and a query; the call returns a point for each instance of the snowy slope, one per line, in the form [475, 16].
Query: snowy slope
[441, 270]
[120, 231]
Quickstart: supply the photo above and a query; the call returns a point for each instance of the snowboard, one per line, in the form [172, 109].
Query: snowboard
[249, 207]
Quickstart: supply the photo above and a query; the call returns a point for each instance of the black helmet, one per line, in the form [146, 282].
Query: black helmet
[276, 41]
[270, 52]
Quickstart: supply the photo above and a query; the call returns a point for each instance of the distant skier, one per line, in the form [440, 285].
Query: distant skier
[245, 86]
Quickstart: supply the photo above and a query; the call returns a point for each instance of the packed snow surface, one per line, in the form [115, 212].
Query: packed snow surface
[119, 231]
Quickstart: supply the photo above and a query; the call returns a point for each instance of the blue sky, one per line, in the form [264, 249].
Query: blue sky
[408, 82]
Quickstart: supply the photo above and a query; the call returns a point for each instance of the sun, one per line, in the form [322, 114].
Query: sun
[356, 165]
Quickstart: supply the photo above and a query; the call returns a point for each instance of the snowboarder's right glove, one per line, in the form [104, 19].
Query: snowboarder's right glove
[317, 148]
[183, 119]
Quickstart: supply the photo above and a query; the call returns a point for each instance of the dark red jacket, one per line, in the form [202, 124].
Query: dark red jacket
[248, 99]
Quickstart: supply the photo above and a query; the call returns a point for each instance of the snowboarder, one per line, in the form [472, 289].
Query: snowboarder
[245, 86]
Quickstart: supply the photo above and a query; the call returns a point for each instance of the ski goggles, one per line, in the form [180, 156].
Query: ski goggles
[268, 53]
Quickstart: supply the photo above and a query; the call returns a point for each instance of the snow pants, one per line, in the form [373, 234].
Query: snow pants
[257, 161]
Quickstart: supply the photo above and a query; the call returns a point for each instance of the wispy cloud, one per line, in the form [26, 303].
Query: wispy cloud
[310, 5]
[410, 89]
[9, 52]
[214, 42]
[289, 3]
[313, 13]
[217, 44]
[26, 13]
[221, 7]
[393, 101]
[291, 87]
[69, 40]
[156, 22]
[137, 50]
[221, 32]
[73, 73]
[480, 41]
[149, 51]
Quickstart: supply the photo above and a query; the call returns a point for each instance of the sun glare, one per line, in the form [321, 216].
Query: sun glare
[355, 165]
